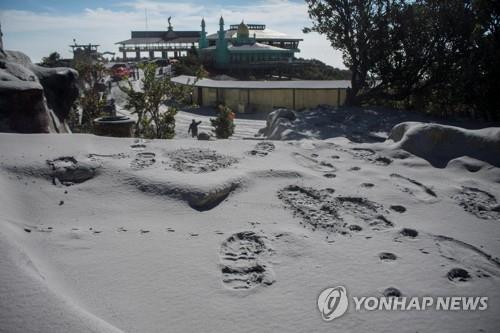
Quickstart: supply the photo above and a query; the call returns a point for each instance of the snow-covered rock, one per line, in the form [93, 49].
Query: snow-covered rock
[356, 124]
[34, 99]
[438, 144]
[361, 125]
[278, 125]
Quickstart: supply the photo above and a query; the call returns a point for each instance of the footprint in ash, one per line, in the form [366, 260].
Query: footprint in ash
[67, 170]
[320, 208]
[387, 256]
[479, 202]
[462, 261]
[314, 164]
[143, 160]
[262, 149]
[244, 261]
[369, 155]
[414, 188]
[471, 260]
[138, 146]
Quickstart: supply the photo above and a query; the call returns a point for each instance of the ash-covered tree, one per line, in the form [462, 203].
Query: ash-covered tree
[154, 104]
[486, 37]
[224, 122]
[350, 28]
[439, 56]
[190, 65]
[465, 75]
[92, 98]
[52, 60]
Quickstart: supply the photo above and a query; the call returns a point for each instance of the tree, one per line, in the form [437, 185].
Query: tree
[52, 60]
[190, 65]
[348, 25]
[224, 122]
[152, 120]
[403, 51]
[92, 98]
[310, 69]
[439, 56]
[486, 57]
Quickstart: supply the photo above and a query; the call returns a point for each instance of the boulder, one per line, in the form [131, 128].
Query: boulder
[439, 144]
[280, 113]
[34, 99]
[60, 88]
[277, 121]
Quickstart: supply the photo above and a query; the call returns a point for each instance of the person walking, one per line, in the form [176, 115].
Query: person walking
[193, 128]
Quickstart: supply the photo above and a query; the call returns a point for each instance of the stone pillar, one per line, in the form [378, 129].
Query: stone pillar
[164, 54]
[151, 54]
[138, 55]
[124, 56]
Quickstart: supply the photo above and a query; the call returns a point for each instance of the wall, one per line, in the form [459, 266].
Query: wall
[264, 100]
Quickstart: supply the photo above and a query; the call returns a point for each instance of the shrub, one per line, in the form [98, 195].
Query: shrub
[224, 123]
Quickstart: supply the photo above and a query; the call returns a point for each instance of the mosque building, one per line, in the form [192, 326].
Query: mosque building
[246, 46]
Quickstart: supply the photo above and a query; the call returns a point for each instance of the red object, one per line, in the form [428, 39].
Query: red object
[119, 73]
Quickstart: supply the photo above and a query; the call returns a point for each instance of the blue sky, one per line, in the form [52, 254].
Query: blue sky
[39, 27]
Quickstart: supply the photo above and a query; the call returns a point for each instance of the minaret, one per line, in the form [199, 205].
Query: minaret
[222, 34]
[221, 52]
[203, 36]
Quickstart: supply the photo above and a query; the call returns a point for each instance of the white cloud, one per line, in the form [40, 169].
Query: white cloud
[38, 34]
[165, 7]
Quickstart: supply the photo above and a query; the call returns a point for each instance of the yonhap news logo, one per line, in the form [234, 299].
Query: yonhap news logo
[333, 302]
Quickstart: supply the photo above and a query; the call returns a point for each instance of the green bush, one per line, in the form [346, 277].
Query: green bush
[92, 98]
[224, 123]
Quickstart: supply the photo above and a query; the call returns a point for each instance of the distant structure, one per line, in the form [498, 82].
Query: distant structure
[163, 43]
[84, 52]
[265, 96]
[246, 46]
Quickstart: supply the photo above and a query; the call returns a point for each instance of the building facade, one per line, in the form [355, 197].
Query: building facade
[155, 44]
[265, 96]
[246, 46]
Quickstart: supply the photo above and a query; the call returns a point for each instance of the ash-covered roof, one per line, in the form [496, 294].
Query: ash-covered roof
[299, 84]
[170, 36]
[255, 47]
[265, 34]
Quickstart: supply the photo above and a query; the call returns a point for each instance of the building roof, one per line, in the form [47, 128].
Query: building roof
[260, 34]
[169, 36]
[145, 40]
[255, 47]
[302, 84]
